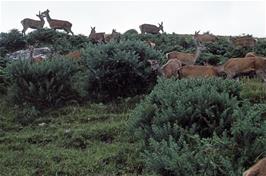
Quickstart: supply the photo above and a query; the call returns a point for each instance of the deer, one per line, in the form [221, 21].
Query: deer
[58, 24]
[168, 70]
[113, 36]
[193, 71]
[243, 41]
[187, 58]
[33, 24]
[258, 169]
[96, 37]
[251, 54]
[206, 37]
[236, 66]
[74, 55]
[150, 28]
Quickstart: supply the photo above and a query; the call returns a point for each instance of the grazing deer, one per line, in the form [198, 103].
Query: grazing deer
[243, 41]
[150, 28]
[187, 58]
[168, 70]
[205, 37]
[33, 24]
[258, 169]
[193, 71]
[96, 37]
[58, 24]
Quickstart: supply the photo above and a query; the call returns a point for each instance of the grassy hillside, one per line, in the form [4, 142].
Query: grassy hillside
[75, 140]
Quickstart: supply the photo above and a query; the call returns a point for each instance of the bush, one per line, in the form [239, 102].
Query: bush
[10, 42]
[46, 84]
[198, 127]
[119, 69]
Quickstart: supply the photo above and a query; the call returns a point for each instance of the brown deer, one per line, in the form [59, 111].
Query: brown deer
[150, 28]
[58, 24]
[113, 36]
[74, 55]
[187, 58]
[33, 24]
[193, 71]
[258, 169]
[243, 41]
[96, 37]
[206, 37]
[167, 70]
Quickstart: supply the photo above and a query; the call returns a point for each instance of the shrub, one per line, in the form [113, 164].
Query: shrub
[198, 127]
[119, 69]
[46, 84]
[10, 42]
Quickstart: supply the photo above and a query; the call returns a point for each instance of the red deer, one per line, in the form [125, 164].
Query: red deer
[33, 24]
[96, 37]
[193, 71]
[74, 55]
[187, 58]
[243, 41]
[205, 37]
[150, 28]
[58, 24]
[167, 70]
[258, 169]
[235, 66]
[113, 36]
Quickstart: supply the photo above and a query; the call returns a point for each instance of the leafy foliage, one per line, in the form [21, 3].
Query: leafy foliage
[119, 69]
[46, 84]
[198, 127]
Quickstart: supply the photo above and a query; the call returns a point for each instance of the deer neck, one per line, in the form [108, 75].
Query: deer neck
[48, 17]
[197, 54]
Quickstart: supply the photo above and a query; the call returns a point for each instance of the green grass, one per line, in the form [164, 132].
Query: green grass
[254, 90]
[74, 140]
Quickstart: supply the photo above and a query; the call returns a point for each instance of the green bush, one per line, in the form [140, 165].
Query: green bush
[119, 69]
[11, 41]
[199, 127]
[46, 84]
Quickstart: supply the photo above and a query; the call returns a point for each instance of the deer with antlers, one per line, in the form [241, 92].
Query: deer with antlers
[150, 28]
[33, 24]
[206, 37]
[58, 24]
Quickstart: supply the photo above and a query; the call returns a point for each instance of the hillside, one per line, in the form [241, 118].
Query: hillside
[106, 112]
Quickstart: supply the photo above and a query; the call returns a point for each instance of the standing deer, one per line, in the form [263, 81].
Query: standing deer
[33, 24]
[150, 28]
[96, 37]
[58, 24]
[187, 58]
[258, 169]
[206, 37]
[243, 41]
[113, 36]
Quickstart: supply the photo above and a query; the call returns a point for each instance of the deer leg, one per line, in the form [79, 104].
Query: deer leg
[24, 31]
[71, 31]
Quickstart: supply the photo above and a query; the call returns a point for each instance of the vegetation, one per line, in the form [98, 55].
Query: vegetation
[107, 113]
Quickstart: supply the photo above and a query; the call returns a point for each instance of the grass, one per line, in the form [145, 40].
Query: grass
[74, 140]
[254, 90]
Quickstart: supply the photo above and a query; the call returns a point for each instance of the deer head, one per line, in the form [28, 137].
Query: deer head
[45, 13]
[93, 31]
[40, 15]
[161, 26]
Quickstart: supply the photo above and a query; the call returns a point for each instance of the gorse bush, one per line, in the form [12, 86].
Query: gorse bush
[198, 127]
[119, 69]
[11, 41]
[49, 83]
